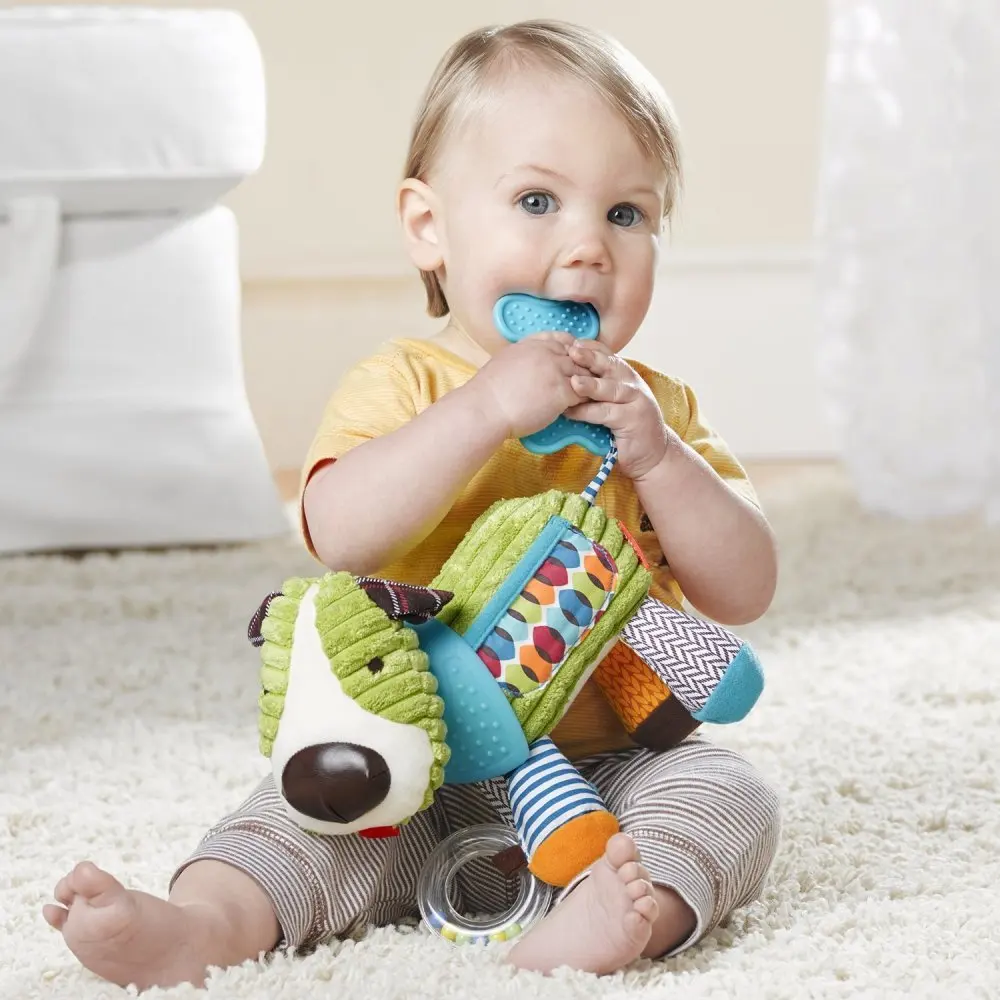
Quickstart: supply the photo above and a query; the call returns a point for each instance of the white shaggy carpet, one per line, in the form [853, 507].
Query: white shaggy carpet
[128, 725]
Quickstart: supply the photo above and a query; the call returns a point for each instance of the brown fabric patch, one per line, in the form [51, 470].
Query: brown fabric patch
[253, 630]
[668, 724]
[404, 601]
[510, 861]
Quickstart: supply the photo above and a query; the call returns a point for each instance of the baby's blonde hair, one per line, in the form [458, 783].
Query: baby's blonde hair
[463, 76]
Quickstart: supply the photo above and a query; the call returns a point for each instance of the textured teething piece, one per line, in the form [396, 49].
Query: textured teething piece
[519, 315]
[484, 735]
[563, 431]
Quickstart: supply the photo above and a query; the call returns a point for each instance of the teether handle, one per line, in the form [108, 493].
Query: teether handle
[519, 315]
[563, 432]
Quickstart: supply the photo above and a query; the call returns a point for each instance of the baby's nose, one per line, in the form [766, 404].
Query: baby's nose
[588, 249]
[335, 782]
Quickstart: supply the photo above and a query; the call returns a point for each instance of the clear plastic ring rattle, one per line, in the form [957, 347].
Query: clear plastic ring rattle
[438, 877]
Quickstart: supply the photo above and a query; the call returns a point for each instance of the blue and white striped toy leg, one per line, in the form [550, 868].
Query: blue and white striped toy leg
[590, 493]
[560, 818]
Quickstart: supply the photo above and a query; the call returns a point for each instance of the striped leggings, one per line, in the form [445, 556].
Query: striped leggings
[705, 823]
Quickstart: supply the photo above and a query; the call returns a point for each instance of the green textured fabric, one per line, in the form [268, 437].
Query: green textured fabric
[540, 711]
[491, 549]
[353, 632]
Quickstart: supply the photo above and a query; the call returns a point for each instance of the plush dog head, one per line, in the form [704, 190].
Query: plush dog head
[349, 714]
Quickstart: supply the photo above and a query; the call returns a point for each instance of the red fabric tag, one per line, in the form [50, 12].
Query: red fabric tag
[378, 832]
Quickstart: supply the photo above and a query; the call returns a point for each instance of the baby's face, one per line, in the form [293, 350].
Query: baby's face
[546, 192]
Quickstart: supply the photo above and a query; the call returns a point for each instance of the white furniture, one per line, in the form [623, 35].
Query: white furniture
[123, 412]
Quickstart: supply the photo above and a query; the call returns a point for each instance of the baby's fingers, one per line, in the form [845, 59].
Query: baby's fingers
[593, 413]
[566, 340]
[572, 370]
[592, 356]
[603, 390]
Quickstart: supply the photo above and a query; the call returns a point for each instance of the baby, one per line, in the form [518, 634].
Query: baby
[544, 160]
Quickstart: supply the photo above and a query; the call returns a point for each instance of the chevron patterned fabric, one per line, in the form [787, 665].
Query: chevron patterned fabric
[689, 655]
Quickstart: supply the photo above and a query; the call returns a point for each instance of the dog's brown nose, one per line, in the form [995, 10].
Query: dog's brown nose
[335, 782]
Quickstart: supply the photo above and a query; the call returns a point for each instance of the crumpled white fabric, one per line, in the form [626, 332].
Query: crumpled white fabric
[909, 253]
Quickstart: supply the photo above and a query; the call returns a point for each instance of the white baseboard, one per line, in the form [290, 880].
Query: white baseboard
[738, 325]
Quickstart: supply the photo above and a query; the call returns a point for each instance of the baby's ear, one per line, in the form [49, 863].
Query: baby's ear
[253, 630]
[404, 601]
[418, 213]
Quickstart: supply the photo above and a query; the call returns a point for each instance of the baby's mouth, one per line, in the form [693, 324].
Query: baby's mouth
[579, 298]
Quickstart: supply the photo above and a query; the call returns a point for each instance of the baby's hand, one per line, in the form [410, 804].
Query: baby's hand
[620, 400]
[529, 383]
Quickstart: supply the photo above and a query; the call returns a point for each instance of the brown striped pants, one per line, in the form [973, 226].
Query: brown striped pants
[706, 824]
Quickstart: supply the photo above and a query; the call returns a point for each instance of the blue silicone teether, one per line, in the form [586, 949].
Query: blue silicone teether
[519, 315]
[484, 734]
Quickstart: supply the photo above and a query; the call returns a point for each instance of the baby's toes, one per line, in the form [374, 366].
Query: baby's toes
[95, 885]
[646, 907]
[63, 891]
[633, 871]
[638, 888]
[621, 850]
[55, 916]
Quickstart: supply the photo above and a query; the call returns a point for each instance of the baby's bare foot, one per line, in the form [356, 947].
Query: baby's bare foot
[124, 936]
[602, 925]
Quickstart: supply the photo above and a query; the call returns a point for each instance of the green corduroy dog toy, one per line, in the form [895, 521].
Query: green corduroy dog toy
[375, 693]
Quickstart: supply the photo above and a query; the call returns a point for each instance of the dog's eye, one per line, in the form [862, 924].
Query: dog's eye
[375, 665]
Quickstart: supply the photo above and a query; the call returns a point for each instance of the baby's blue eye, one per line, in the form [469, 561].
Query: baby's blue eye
[537, 203]
[625, 216]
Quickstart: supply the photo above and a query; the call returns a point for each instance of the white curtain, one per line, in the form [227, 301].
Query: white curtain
[909, 252]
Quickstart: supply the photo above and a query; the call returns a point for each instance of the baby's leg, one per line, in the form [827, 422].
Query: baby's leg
[700, 830]
[256, 881]
[215, 916]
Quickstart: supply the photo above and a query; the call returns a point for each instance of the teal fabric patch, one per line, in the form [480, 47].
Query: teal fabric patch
[484, 734]
[553, 614]
[737, 692]
[516, 581]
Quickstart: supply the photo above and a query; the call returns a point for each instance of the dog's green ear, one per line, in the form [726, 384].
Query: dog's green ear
[404, 601]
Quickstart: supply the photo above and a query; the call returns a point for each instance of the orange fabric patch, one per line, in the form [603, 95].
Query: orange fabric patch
[635, 545]
[574, 847]
[633, 690]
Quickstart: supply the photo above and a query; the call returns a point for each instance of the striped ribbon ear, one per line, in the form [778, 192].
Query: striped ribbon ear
[590, 493]
[404, 601]
[253, 630]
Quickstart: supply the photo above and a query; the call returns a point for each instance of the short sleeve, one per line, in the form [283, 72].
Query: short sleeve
[701, 437]
[373, 399]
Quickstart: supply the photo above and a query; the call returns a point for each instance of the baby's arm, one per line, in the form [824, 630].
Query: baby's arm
[383, 497]
[386, 495]
[720, 547]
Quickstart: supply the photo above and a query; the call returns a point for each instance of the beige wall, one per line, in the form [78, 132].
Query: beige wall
[325, 275]
[344, 79]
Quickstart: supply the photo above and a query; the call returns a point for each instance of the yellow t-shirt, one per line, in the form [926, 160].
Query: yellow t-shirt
[387, 390]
